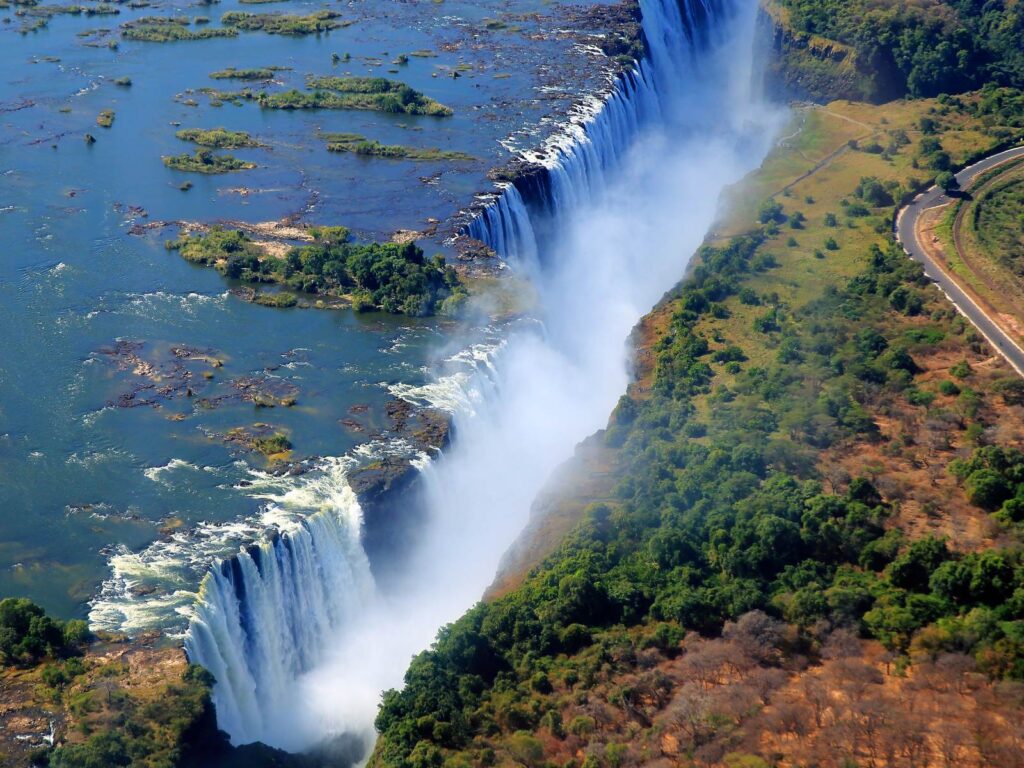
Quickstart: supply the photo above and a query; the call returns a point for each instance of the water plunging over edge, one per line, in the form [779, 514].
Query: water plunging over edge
[298, 637]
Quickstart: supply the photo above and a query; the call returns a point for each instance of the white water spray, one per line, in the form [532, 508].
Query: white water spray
[300, 645]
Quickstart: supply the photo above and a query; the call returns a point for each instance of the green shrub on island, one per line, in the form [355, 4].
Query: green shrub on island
[105, 119]
[217, 248]
[409, 102]
[217, 138]
[256, 73]
[124, 82]
[375, 94]
[368, 93]
[217, 96]
[27, 634]
[282, 24]
[360, 146]
[44, 12]
[392, 277]
[205, 161]
[282, 300]
[272, 444]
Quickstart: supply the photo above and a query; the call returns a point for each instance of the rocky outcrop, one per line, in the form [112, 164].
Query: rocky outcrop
[390, 489]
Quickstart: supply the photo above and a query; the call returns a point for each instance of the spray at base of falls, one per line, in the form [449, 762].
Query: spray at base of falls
[624, 198]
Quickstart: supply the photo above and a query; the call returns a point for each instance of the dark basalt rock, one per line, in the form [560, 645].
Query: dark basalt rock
[390, 490]
[625, 38]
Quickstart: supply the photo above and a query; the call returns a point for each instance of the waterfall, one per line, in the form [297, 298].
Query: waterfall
[300, 640]
[573, 167]
[262, 616]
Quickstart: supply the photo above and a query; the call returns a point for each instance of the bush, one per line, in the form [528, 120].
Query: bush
[27, 634]
[770, 211]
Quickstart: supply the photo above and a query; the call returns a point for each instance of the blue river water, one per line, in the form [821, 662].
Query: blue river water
[96, 314]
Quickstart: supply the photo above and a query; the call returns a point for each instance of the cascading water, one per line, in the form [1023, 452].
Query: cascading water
[262, 616]
[299, 640]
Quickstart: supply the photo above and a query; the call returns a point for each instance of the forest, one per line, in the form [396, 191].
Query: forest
[921, 49]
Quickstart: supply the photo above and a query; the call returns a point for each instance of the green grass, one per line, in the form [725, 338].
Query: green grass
[998, 220]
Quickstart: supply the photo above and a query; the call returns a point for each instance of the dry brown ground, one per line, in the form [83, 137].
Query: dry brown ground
[141, 669]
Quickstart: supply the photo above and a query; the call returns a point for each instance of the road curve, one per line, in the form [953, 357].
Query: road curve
[906, 234]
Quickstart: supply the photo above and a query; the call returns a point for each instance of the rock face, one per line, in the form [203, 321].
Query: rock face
[802, 66]
[391, 491]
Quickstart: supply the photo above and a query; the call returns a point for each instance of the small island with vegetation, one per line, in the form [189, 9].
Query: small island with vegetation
[205, 161]
[252, 73]
[167, 29]
[378, 94]
[359, 145]
[391, 277]
[374, 94]
[217, 138]
[283, 24]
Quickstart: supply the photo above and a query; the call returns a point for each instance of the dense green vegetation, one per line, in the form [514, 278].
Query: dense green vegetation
[27, 634]
[350, 142]
[282, 24]
[166, 29]
[217, 138]
[271, 444]
[370, 93]
[921, 48]
[391, 277]
[150, 732]
[721, 511]
[205, 161]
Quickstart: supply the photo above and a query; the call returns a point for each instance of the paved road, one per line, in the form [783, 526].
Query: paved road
[906, 233]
